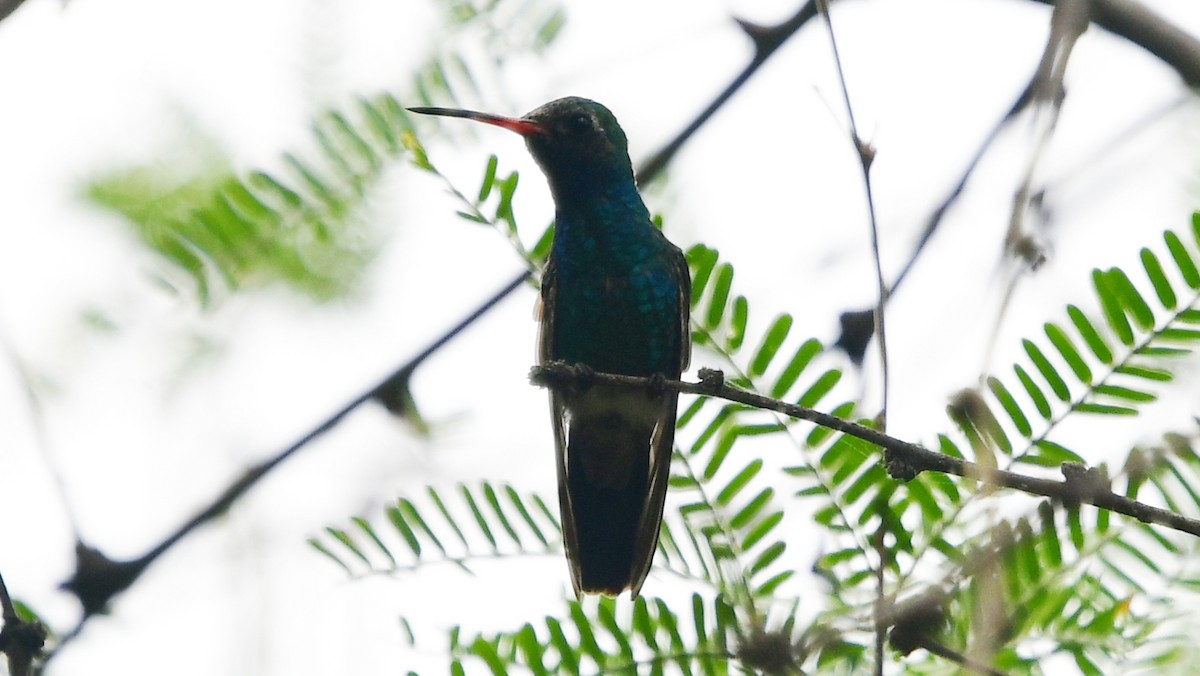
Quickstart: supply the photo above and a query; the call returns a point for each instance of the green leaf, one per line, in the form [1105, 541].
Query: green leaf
[739, 482]
[349, 543]
[1145, 372]
[717, 422]
[1057, 453]
[752, 509]
[1183, 260]
[489, 179]
[1092, 337]
[396, 517]
[487, 652]
[587, 637]
[720, 452]
[450, 520]
[1104, 409]
[550, 29]
[378, 125]
[1125, 393]
[365, 526]
[720, 296]
[532, 651]
[1179, 334]
[767, 557]
[1110, 304]
[1162, 351]
[817, 391]
[478, 514]
[703, 260]
[541, 249]
[1009, 404]
[737, 324]
[761, 529]
[1034, 392]
[516, 501]
[771, 584]
[804, 354]
[489, 493]
[1066, 348]
[770, 345]
[1162, 286]
[1131, 299]
[413, 516]
[320, 547]
[1057, 384]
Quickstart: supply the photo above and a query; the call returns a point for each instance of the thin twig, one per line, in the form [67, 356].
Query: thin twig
[866, 155]
[903, 460]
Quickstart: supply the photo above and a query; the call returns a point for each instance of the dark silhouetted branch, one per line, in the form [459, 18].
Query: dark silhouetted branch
[97, 579]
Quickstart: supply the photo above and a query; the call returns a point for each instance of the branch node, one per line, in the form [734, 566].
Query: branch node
[1083, 483]
[898, 467]
[916, 620]
[711, 379]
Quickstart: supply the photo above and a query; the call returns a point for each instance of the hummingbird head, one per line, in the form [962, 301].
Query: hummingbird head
[576, 141]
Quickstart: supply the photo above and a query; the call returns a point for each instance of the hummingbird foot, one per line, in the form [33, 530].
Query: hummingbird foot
[563, 375]
[656, 384]
[585, 377]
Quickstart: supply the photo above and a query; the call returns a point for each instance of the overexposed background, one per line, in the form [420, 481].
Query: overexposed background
[130, 424]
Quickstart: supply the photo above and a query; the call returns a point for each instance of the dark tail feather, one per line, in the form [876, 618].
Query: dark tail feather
[608, 508]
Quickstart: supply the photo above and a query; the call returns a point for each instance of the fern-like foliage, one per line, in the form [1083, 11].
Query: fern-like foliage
[1090, 586]
[605, 637]
[1089, 581]
[502, 29]
[445, 527]
[300, 227]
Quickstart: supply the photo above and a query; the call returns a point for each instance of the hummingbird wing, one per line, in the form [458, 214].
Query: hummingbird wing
[662, 443]
[558, 420]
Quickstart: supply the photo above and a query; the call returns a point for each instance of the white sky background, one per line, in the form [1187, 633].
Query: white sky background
[144, 427]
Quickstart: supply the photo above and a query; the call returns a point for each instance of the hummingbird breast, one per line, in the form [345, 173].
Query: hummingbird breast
[617, 289]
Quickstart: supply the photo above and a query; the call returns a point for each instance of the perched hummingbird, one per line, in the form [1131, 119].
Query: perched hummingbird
[615, 298]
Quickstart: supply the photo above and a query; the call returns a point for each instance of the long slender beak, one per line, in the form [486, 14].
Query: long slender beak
[521, 126]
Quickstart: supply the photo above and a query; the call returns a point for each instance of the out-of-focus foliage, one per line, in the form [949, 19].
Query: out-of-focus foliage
[300, 227]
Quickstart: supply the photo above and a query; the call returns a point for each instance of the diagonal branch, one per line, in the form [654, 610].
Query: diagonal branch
[97, 578]
[1152, 32]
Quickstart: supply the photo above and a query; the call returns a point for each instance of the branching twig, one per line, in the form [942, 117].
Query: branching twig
[903, 460]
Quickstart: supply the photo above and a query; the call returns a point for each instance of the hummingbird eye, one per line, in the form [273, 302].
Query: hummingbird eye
[579, 123]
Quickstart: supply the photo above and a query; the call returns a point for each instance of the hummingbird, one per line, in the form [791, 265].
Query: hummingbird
[615, 298]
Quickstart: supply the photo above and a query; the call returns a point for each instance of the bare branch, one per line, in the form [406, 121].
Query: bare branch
[902, 459]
